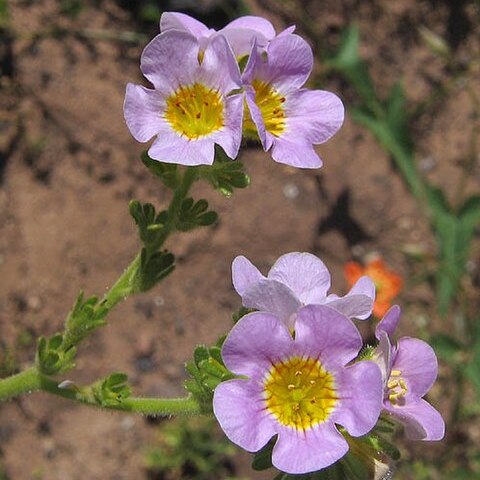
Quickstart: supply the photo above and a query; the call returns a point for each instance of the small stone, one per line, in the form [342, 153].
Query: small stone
[159, 301]
[291, 191]
[427, 164]
[358, 251]
[34, 303]
[405, 223]
[127, 423]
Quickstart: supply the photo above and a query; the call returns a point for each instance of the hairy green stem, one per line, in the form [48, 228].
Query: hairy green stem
[30, 380]
[23, 382]
[125, 285]
[161, 407]
[179, 195]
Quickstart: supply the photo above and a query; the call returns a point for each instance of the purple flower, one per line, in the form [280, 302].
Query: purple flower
[189, 109]
[298, 279]
[297, 388]
[288, 119]
[409, 370]
[240, 33]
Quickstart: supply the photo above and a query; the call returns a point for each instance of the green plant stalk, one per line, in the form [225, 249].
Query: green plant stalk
[406, 165]
[179, 195]
[20, 383]
[125, 285]
[31, 380]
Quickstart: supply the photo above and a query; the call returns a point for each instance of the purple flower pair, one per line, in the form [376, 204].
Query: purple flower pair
[297, 388]
[299, 371]
[199, 93]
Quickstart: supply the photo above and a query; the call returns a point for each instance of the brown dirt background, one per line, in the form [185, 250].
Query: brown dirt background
[70, 166]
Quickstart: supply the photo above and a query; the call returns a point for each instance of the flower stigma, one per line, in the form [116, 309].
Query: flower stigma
[195, 111]
[397, 388]
[270, 103]
[300, 393]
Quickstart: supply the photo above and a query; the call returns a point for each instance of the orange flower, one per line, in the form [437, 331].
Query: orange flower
[387, 283]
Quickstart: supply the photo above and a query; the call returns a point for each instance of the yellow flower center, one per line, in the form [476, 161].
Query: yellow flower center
[270, 102]
[397, 388]
[195, 111]
[300, 393]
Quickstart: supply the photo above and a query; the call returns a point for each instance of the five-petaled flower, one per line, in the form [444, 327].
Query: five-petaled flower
[387, 283]
[190, 108]
[297, 279]
[288, 119]
[409, 370]
[297, 388]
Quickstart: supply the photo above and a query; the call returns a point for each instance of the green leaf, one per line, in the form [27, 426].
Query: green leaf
[263, 459]
[55, 342]
[213, 368]
[52, 356]
[168, 173]
[194, 214]
[216, 353]
[85, 316]
[207, 370]
[112, 390]
[242, 311]
[154, 268]
[150, 224]
[225, 174]
[200, 353]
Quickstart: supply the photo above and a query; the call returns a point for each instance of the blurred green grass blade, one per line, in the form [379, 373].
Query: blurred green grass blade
[388, 121]
[454, 235]
[450, 267]
[470, 212]
[446, 347]
[349, 63]
[472, 370]
[3, 13]
[437, 202]
[392, 143]
[397, 118]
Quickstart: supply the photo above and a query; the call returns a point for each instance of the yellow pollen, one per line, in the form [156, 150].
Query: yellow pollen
[195, 111]
[397, 388]
[270, 103]
[300, 393]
